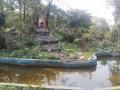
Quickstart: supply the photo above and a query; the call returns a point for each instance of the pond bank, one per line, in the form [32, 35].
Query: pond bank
[14, 86]
[69, 63]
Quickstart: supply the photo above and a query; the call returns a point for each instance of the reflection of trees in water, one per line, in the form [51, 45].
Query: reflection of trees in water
[114, 68]
[104, 60]
[37, 75]
[115, 72]
[68, 77]
[25, 75]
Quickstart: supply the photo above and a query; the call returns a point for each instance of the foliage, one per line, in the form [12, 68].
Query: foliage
[2, 19]
[115, 34]
[76, 29]
[29, 53]
[8, 87]
[68, 47]
[79, 19]
[116, 4]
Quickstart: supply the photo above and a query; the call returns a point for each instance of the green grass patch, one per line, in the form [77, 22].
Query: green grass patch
[68, 47]
[29, 53]
[87, 54]
[7, 87]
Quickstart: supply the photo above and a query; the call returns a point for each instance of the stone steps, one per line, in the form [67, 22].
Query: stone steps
[42, 32]
[50, 47]
[48, 38]
[47, 41]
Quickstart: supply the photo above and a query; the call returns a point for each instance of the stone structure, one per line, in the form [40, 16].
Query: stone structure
[41, 23]
[47, 41]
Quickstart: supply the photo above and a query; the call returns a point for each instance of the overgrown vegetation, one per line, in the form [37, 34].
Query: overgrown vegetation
[76, 30]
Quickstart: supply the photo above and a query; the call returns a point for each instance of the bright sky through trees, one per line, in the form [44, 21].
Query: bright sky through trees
[99, 8]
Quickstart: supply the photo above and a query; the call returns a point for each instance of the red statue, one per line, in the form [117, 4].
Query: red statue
[41, 23]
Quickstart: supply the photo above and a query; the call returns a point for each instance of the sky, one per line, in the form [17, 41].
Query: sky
[99, 8]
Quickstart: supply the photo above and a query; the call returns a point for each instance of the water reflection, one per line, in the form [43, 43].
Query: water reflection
[115, 73]
[35, 75]
[114, 69]
[107, 73]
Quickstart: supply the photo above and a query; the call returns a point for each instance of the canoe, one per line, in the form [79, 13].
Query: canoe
[107, 54]
[49, 63]
[104, 53]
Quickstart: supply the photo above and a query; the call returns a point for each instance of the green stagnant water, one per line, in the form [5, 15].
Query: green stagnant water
[107, 73]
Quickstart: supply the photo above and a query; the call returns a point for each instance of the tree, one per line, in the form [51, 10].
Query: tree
[20, 8]
[1, 5]
[115, 35]
[48, 12]
[37, 9]
[78, 18]
[2, 19]
[79, 22]
[58, 18]
[116, 4]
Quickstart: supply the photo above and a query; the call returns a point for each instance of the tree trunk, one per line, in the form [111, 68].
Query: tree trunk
[118, 34]
[24, 11]
[48, 12]
[20, 3]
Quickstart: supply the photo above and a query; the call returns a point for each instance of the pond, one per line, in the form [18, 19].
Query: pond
[107, 73]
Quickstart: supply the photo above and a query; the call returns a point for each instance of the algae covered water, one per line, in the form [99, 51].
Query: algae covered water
[107, 73]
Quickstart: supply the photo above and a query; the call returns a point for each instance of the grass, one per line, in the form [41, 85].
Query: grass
[29, 53]
[31, 49]
[68, 47]
[35, 53]
[87, 54]
[7, 87]
[72, 51]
